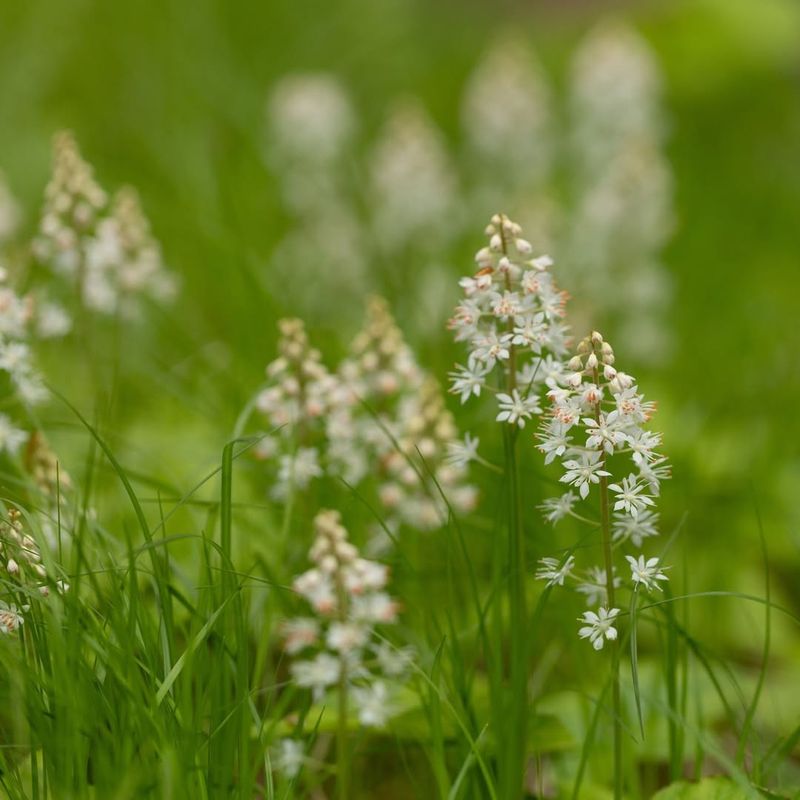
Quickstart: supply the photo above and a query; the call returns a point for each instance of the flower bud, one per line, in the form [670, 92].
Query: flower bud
[591, 362]
[575, 364]
[542, 263]
[483, 257]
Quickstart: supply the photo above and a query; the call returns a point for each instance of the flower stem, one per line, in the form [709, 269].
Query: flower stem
[342, 748]
[605, 524]
[518, 627]
[518, 623]
[342, 742]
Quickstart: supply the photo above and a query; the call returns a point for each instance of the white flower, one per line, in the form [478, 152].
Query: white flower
[318, 673]
[288, 757]
[505, 305]
[642, 443]
[372, 704]
[594, 586]
[647, 573]
[393, 661]
[586, 469]
[629, 497]
[655, 472]
[531, 333]
[460, 453]
[52, 321]
[515, 409]
[318, 589]
[10, 617]
[10, 437]
[556, 508]
[603, 435]
[14, 357]
[599, 627]
[637, 528]
[376, 607]
[299, 634]
[553, 572]
[297, 471]
[490, 349]
[468, 381]
[346, 636]
[554, 440]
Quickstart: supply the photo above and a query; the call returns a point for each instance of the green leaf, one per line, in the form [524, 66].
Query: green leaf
[708, 789]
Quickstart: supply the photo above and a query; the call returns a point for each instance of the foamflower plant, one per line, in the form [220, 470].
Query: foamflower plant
[337, 647]
[598, 429]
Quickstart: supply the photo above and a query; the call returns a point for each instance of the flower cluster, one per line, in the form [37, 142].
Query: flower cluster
[507, 120]
[124, 260]
[413, 184]
[310, 128]
[310, 125]
[348, 599]
[21, 557]
[299, 396]
[379, 417]
[623, 214]
[103, 248]
[16, 360]
[596, 428]
[511, 318]
[401, 426]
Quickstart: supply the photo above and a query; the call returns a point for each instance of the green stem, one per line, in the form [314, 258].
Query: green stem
[518, 623]
[605, 524]
[342, 743]
[342, 749]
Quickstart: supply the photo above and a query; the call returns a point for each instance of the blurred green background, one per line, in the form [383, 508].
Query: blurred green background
[170, 96]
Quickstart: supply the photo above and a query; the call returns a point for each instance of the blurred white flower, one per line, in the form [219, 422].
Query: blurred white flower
[288, 756]
[553, 571]
[413, 193]
[599, 627]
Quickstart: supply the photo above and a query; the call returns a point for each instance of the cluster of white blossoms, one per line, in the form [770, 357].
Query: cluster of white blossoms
[339, 646]
[17, 317]
[23, 388]
[21, 557]
[101, 247]
[299, 396]
[512, 319]
[413, 185]
[310, 132]
[379, 418]
[310, 127]
[622, 215]
[508, 123]
[400, 427]
[596, 428]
